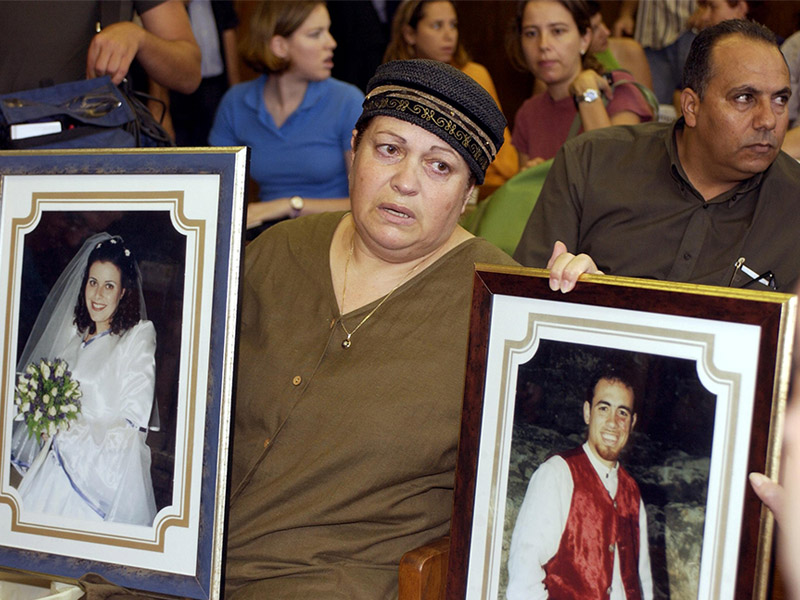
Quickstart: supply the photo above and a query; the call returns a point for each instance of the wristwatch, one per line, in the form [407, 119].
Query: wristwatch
[297, 203]
[589, 96]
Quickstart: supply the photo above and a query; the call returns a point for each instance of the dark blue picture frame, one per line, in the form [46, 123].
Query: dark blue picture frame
[231, 165]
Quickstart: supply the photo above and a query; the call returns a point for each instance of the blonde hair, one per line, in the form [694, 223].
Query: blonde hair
[271, 18]
[410, 13]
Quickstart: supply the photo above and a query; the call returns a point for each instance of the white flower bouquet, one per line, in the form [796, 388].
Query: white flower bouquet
[47, 397]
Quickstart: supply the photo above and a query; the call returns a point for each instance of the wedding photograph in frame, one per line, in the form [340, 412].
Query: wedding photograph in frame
[122, 271]
[697, 379]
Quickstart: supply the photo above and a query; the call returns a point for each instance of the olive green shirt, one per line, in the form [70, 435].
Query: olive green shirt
[343, 459]
[621, 196]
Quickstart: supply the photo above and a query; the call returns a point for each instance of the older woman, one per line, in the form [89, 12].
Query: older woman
[352, 351]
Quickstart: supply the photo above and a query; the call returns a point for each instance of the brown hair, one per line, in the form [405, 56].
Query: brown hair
[410, 13]
[581, 14]
[271, 18]
[111, 251]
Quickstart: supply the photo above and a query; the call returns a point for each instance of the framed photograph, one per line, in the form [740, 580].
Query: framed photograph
[608, 434]
[122, 272]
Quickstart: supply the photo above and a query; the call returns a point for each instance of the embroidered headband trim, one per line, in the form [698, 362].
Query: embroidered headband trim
[429, 108]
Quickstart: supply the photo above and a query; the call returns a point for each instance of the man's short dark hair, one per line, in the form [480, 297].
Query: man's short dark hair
[615, 373]
[697, 69]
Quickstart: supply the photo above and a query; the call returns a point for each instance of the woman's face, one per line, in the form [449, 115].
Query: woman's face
[103, 293]
[551, 42]
[309, 49]
[408, 189]
[436, 35]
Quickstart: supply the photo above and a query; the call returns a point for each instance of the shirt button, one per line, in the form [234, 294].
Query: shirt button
[297, 380]
[608, 591]
[266, 442]
[615, 505]
[687, 256]
[611, 547]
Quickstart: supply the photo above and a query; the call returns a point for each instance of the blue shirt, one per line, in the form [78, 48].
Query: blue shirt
[306, 155]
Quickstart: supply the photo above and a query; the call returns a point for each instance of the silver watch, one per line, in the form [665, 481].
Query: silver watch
[297, 203]
[589, 96]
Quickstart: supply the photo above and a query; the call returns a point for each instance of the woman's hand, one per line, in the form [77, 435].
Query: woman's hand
[770, 493]
[272, 210]
[589, 79]
[565, 268]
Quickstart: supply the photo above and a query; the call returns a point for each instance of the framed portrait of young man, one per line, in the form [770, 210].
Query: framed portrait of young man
[607, 438]
[122, 272]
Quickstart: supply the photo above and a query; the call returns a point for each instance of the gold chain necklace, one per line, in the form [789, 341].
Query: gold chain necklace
[346, 342]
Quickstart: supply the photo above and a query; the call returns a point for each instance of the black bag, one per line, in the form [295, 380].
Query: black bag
[90, 113]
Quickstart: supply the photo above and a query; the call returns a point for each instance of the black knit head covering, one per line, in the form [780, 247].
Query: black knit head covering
[440, 99]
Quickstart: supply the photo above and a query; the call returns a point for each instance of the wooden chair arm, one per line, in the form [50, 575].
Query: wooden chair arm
[423, 571]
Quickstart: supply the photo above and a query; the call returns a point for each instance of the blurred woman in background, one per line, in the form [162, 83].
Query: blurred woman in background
[296, 119]
[552, 40]
[429, 29]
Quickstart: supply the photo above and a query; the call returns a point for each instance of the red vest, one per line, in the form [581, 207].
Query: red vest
[583, 566]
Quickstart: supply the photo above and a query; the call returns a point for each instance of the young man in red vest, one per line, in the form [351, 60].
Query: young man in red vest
[582, 529]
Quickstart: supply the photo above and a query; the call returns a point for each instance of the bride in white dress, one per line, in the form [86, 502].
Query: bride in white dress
[98, 469]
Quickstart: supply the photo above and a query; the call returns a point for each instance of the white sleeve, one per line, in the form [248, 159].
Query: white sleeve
[645, 573]
[138, 374]
[538, 530]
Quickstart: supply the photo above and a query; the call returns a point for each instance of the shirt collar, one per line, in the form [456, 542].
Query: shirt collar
[679, 175]
[314, 93]
[602, 469]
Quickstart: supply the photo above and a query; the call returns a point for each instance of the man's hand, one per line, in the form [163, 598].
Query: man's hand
[771, 493]
[112, 51]
[565, 268]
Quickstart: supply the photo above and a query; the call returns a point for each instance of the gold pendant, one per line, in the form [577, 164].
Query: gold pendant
[346, 343]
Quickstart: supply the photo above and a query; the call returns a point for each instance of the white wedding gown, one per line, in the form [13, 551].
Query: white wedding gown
[99, 469]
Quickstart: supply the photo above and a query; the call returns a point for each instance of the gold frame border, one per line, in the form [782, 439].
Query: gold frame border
[192, 229]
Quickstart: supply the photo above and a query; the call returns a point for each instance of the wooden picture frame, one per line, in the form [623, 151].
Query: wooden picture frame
[530, 356]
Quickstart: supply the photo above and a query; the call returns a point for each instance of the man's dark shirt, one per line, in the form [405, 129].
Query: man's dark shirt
[620, 195]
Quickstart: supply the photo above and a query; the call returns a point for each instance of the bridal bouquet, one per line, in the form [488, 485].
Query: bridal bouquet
[47, 397]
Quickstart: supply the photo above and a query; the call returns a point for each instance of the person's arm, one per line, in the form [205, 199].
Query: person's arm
[645, 572]
[165, 47]
[159, 106]
[625, 23]
[626, 105]
[537, 532]
[231, 56]
[631, 57]
[565, 268]
[556, 216]
[280, 208]
[594, 115]
[140, 374]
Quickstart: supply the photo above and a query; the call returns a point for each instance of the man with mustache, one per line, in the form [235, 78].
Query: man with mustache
[709, 199]
[581, 531]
